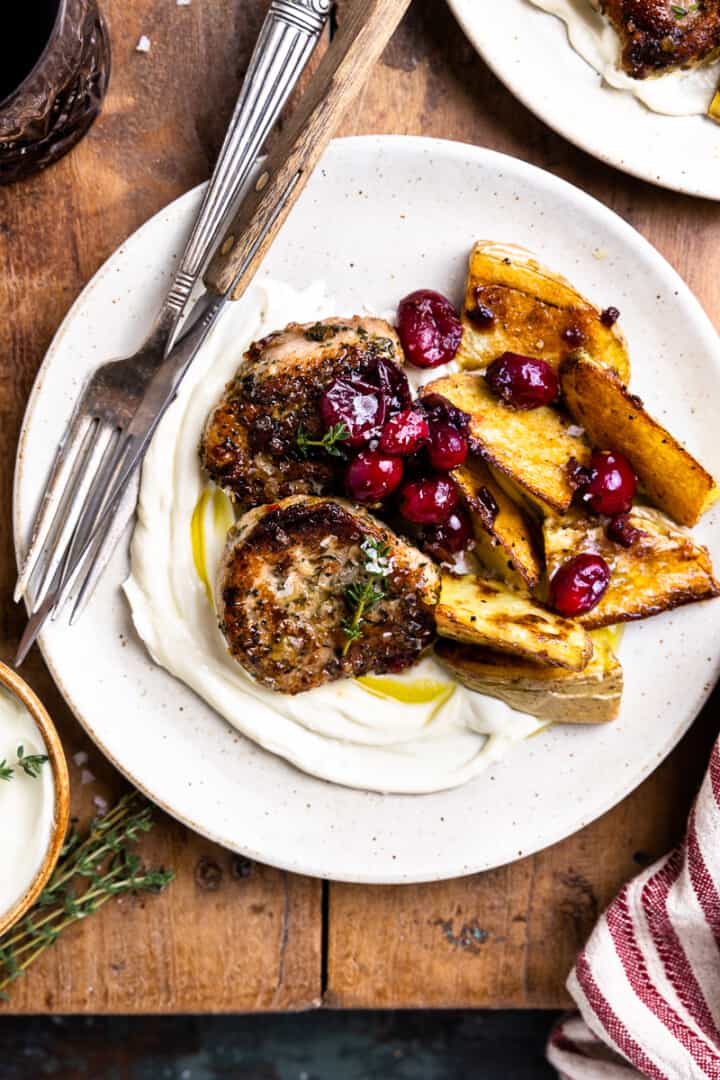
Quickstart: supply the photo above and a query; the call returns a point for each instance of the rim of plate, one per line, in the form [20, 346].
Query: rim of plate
[466, 14]
[394, 875]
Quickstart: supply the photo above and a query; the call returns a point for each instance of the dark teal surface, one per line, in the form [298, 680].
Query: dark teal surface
[306, 1046]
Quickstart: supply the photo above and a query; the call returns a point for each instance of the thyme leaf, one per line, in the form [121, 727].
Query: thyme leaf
[338, 433]
[31, 764]
[362, 596]
[6, 773]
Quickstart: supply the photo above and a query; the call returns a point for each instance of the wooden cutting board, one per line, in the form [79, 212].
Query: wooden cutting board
[228, 935]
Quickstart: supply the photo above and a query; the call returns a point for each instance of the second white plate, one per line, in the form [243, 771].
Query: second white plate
[528, 50]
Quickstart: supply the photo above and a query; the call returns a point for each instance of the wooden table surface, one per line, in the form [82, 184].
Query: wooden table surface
[230, 936]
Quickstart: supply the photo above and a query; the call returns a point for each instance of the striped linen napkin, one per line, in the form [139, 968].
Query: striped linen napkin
[647, 984]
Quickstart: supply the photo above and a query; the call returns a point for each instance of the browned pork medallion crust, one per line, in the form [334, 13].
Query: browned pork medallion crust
[250, 445]
[287, 588]
[660, 35]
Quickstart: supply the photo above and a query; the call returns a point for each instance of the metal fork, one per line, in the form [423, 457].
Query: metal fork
[92, 452]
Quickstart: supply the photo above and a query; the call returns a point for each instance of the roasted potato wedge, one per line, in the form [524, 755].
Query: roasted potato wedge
[535, 311]
[591, 696]
[532, 447]
[483, 612]
[663, 569]
[615, 419]
[503, 537]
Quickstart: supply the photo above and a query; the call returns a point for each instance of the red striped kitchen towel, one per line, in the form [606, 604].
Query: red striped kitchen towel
[647, 984]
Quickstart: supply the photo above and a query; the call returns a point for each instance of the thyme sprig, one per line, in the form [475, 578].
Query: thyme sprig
[338, 433]
[362, 596]
[103, 863]
[31, 764]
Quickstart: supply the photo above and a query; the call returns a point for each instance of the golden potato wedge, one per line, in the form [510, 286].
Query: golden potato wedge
[591, 696]
[503, 539]
[663, 569]
[483, 612]
[532, 447]
[615, 419]
[536, 313]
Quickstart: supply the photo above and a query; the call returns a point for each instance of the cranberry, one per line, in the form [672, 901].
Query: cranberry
[448, 447]
[439, 409]
[622, 532]
[480, 315]
[522, 382]
[357, 405]
[579, 585]
[609, 316]
[405, 433]
[393, 383]
[429, 501]
[372, 476]
[429, 329]
[611, 486]
[449, 539]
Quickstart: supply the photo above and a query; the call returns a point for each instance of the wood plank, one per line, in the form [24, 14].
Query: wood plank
[227, 936]
[509, 937]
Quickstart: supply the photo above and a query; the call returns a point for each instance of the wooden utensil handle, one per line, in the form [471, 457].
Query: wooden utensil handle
[365, 30]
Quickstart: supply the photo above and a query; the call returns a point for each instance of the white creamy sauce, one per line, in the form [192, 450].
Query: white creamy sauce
[27, 804]
[679, 93]
[352, 732]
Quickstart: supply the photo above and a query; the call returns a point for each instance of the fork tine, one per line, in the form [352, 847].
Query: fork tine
[89, 517]
[51, 497]
[57, 511]
[103, 549]
[62, 571]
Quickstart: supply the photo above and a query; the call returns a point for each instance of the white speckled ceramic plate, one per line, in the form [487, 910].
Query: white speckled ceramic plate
[381, 217]
[528, 50]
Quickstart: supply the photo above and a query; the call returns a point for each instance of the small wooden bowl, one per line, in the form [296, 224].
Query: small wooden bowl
[17, 686]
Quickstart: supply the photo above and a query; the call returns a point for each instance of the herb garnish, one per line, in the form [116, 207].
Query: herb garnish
[30, 764]
[107, 868]
[324, 331]
[338, 433]
[680, 12]
[360, 598]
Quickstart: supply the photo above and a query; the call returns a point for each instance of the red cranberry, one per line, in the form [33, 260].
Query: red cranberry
[480, 315]
[372, 476]
[612, 483]
[522, 381]
[579, 585]
[439, 410]
[429, 329]
[449, 539]
[622, 532]
[429, 501]
[448, 447]
[355, 404]
[393, 383]
[404, 433]
[609, 316]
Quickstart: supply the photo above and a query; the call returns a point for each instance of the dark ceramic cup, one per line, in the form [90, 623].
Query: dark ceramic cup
[60, 61]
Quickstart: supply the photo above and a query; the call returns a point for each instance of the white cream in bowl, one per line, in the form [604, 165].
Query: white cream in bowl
[27, 803]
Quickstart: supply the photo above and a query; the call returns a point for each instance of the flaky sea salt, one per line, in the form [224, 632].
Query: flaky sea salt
[143, 44]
